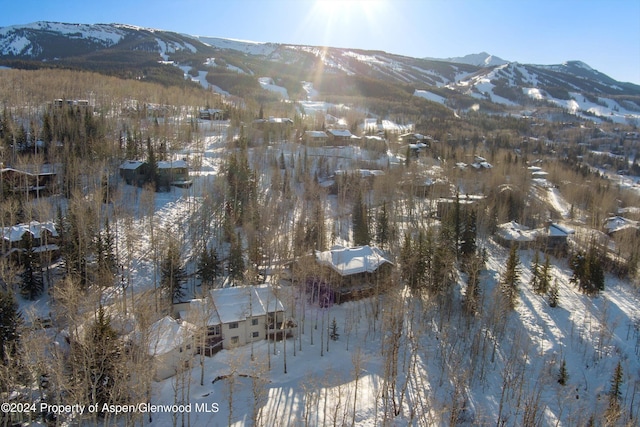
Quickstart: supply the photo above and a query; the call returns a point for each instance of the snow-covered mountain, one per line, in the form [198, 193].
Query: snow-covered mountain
[482, 59]
[479, 80]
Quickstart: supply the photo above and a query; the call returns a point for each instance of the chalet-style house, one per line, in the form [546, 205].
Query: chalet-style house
[551, 237]
[42, 237]
[354, 272]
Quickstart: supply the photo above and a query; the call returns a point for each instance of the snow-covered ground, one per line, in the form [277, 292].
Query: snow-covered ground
[337, 382]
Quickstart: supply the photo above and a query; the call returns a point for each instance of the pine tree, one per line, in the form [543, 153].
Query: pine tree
[172, 274]
[544, 282]
[153, 165]
[510, 278]
[563, 375]
[95, 362]
[236, 261]
[208, 266]
[553, 294]
[32, 283]
[382, 226]
[588, 273]
[535, 274]
[615, 394]
[360, 222]
[10, 320]
[469, 234]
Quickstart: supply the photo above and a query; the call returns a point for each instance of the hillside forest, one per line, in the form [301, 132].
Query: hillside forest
[463, 330]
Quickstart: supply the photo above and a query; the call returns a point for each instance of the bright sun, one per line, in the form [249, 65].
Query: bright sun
[340, 16]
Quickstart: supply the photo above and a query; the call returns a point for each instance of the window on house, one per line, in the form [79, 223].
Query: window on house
[256, 334]
[233, 325]
[234, 340]
[254, 322]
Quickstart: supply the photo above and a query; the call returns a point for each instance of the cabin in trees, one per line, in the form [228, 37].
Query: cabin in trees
[355, 272]
[339, 136]
[135, 172]
[24, 181]
[445, 205]
[174, 172]
[41, 237]
[315, 138]
[211, 114]
[271, 129]
[237, 316]
[551, 237]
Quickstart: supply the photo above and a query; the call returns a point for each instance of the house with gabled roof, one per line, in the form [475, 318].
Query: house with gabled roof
[339, 136]
[42, 237]
[354, 272]
[171, 345]
[237, 316]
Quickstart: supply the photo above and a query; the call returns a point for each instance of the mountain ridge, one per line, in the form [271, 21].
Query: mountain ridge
[169, 57]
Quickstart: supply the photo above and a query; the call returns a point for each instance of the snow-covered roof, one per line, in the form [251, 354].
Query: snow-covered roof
[172, 164]
[513, 231]
[315, 134]
[167, 334]
[199, 311]
[364, 173]
[340, 132]
[16, 232]
[557, 230]
[617, 223]
[131, 164]
[236, 304]
[348, 261]
[482, 165]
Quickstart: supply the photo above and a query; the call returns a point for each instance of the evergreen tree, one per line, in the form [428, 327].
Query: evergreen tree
[208, 266]
[408, 272]
[563, 376]
[535, 273]
[105, 250]
[10, 320]
[588, 274]
[382, 226]
[95, 362]
[236, 261]
[615, 394]
[360, 222]
[172, 275]
[473, 265]
[444, 260]
[510, 278]
[553, 294]
[544, 282]
[469, 234]
[153, 165]
[32, 283]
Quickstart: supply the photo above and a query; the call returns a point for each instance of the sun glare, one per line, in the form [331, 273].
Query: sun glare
[339, 20]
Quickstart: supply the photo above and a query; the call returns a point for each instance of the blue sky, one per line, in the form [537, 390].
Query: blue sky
[605, 34]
